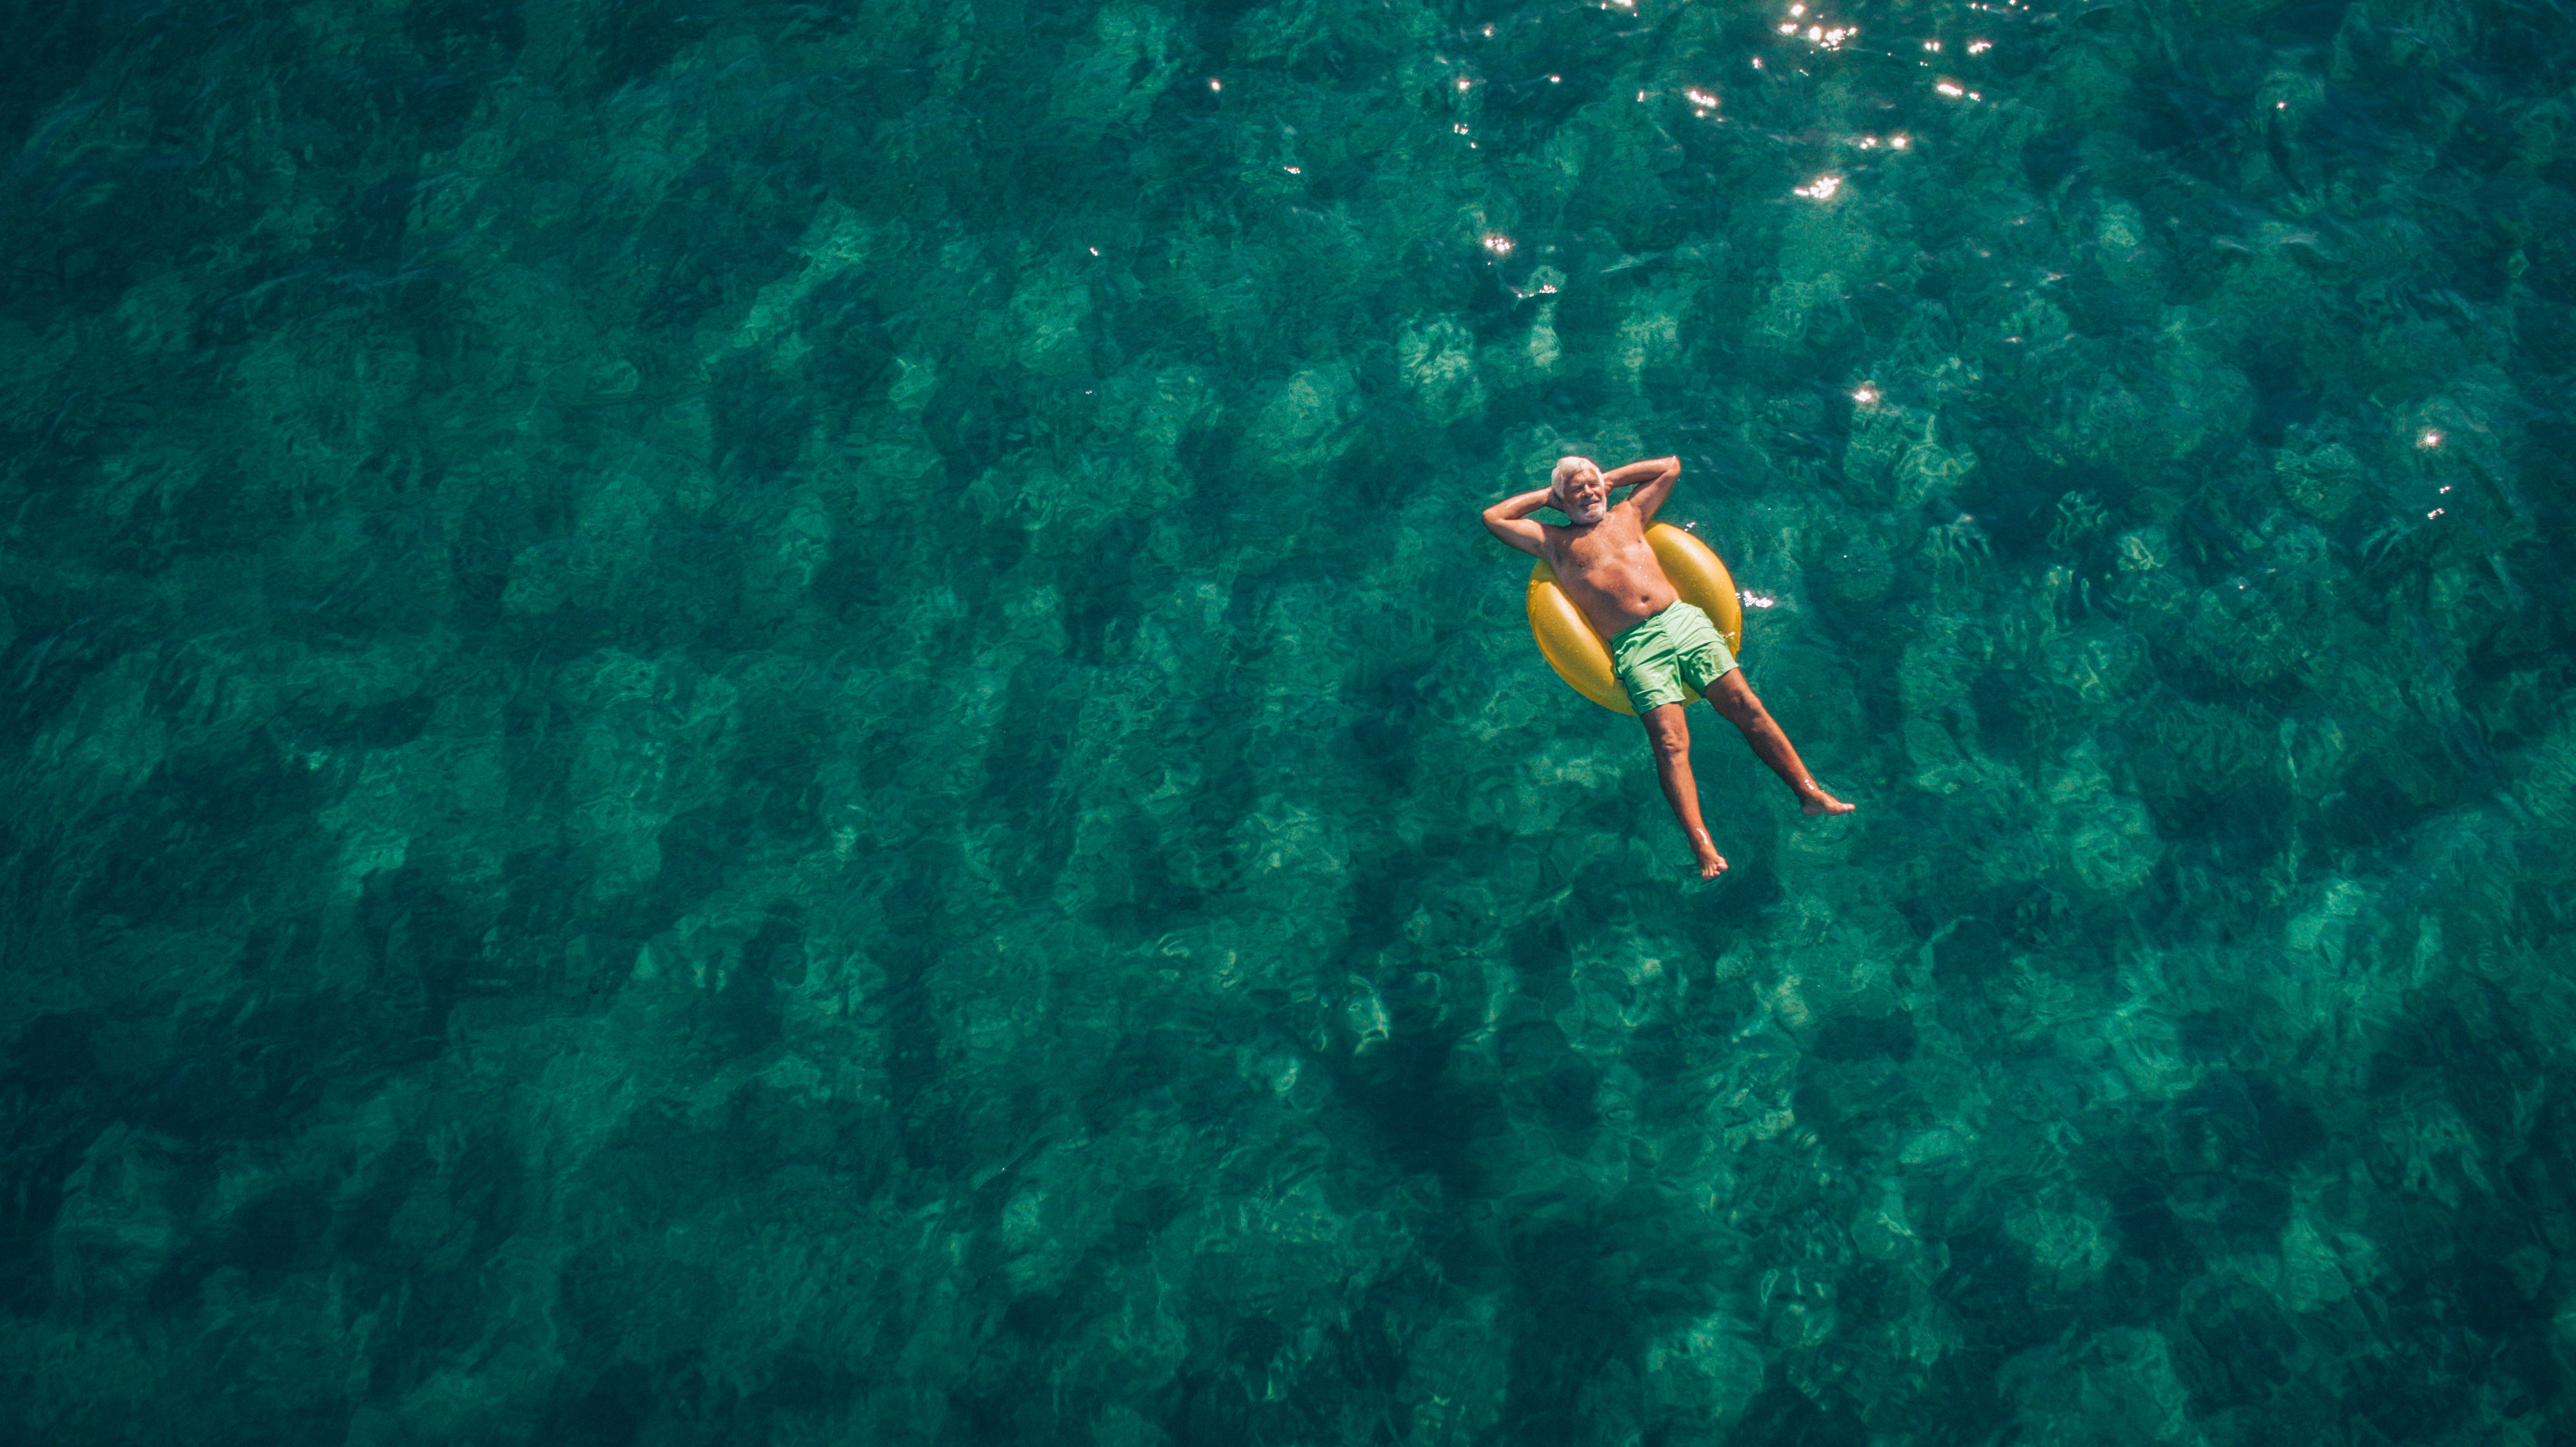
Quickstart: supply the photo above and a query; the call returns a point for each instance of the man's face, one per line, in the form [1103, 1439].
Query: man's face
[1585, 497]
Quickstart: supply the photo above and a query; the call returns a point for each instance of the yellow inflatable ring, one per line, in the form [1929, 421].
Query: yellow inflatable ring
[1579, 655]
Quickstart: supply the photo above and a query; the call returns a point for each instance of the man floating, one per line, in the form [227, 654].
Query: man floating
[1661, 647]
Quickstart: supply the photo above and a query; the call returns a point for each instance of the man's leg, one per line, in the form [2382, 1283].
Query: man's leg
[1669, 733]
[1733, 698]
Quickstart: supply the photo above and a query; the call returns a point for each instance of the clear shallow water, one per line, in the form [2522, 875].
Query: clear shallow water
[785, 723]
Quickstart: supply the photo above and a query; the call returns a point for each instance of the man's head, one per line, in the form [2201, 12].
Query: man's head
[1578, 490]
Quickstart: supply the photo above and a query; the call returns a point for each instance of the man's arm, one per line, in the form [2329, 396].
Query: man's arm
[1653, 480]
[1509, 520]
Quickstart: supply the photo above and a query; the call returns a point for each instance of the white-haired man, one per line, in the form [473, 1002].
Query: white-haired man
[1660, 646]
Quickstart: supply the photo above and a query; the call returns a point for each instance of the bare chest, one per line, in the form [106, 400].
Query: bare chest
[1600, 551]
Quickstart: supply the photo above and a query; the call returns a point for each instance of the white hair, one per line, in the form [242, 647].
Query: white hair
[1568, 468]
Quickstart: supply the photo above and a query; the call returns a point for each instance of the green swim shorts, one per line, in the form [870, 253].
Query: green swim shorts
[1660, 660]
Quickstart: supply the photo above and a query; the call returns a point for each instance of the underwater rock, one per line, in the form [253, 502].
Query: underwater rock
[1860, 572]
[2323, 482]
[1439, 363]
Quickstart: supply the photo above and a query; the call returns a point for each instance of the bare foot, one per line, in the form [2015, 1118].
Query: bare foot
[1711, 863]
[1816, 801]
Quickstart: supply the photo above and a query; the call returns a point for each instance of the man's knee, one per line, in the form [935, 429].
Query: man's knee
[1734, 699]
[1667, 731]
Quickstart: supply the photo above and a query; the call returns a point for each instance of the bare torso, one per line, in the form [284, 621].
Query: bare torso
[1609, 571]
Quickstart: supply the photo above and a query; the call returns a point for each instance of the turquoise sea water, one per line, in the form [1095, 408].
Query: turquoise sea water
[784, 723]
